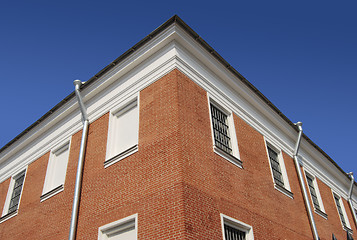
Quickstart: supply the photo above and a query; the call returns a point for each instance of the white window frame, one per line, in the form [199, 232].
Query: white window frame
[5, 213]
[320, 211]
[241, 226]
[343, 211]
[286, 189]
[48, 192]
[118, 110]
[235, 156]
[117, 226]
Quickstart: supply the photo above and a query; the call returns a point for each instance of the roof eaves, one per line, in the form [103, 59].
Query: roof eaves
[175, 19]
[94, 78]
[206, 46]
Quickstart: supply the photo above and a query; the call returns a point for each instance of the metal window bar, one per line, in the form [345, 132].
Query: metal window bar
[339, 209]
[313, 192]
[16, 193]
[221, 130]
[275, 165]
[349, 235]
[231, 233]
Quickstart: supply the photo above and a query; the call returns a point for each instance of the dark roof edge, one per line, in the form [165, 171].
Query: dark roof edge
[175, 19]
[95, 77]
[205, 45]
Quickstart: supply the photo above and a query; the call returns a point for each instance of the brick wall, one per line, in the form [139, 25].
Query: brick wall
[148, 182]
[214, 186]
[49, 219]
[175, 182]
[332, 224]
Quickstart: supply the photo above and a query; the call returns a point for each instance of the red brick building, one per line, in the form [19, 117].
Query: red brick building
[179, 146]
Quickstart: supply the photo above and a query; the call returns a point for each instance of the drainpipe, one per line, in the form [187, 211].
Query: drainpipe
[350, 196]
[78, 185]
[302, 184]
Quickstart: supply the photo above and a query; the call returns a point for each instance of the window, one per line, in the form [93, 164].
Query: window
[56, 171]
[313, 192]
[12, 201]
[16, 192]
[278, 170]
[124, 229]
[349, 235]
[235, 230]
[220, 126]
[341, 212]
[315, 195]
[339, 209]
[275, 166]
[123, 132]
[232, 233]
[223, 133]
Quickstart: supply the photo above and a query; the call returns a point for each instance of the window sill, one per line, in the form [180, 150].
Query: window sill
[347, 229]
[8, 216]
[321, 213]
[120, 156]
[51, 193]
[284, 191]
[228, 157]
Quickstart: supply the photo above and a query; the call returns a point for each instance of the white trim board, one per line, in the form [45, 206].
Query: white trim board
[173, 48]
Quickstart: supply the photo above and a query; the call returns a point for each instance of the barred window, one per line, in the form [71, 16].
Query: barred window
[222, 138]
[232, 233]
[275, 166]
[16, 192]
[340, 211]
[349, 235]
[313, 192]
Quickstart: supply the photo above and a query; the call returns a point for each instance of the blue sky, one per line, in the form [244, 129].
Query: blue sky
[300, 54]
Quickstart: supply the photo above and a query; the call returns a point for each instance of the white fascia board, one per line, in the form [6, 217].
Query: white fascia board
[99, 98]
[220, 83]
[127, 66]
[37, 143]
[36, 132]
[131, 83]
[111, 76]
[173, 48]
[233, 85]
[323, 169]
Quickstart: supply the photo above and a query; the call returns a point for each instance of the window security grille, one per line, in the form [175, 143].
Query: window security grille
[339, 209]
[313, 192]
[275, 165]
[349, 235]
[231, 233]
[16, 193]
[222, 139]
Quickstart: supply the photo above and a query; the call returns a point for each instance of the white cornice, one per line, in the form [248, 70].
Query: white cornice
[172, 48]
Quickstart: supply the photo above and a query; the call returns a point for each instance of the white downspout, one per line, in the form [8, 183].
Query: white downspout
[350, 197]
[302, 184]
[78, 185]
